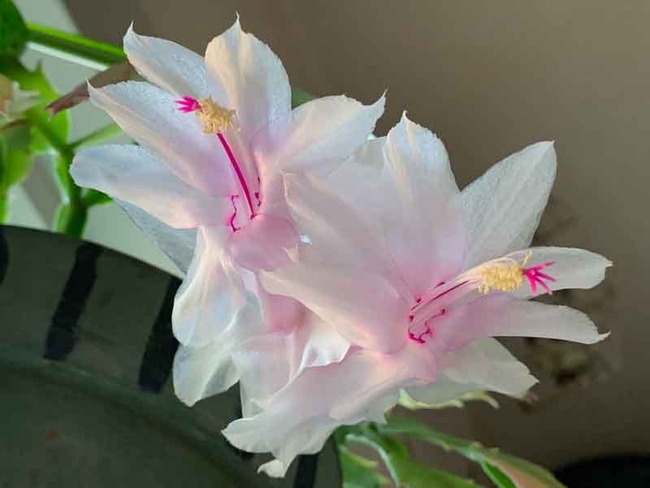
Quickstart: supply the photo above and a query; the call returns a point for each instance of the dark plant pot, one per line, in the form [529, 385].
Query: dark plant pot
[86, 352]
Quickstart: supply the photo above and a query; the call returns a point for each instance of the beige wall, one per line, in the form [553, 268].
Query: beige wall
[489, 77]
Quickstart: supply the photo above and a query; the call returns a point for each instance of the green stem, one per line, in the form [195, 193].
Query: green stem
[100, 134]
[72, 214]
[75, 48]
[4, 208]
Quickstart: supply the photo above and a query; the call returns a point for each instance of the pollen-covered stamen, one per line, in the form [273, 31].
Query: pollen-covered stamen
[214, 117]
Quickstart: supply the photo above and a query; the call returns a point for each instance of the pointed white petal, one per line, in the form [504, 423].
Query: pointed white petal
[483, 365]
[274, 469]
[149, 115]
[200, 372]
[246, 76]
[212, 292]
[504, 206]
[338, 235]
[324, 129]
[363, 306]
[167, 64]
[315, 138]
[501, 315]
[177, 244]
[571, 268]
[303, 415]
[422, 219]
[132, 174]
[272, 361]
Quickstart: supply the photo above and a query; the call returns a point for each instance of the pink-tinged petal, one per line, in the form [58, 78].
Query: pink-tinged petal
[263, 242]
[245, 75]
[338, 235]
[272, 361]
[177, 244]
[359, 180]
[503, 207]
[280, 313]
[149, 115]
[324, 129]
[212, 293]
[503, 316]
[167, 64]
[562, 268]
[316, 137]
[422, 217]
[200, 372]
[483, 365]
[301, 416]
[132, 174]
[363, 306]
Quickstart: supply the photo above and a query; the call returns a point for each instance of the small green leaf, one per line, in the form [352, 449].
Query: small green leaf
[498, 477]
[16, 161]
[407, 401]
[298, 97]
[413, 474]
[359, 472]
[522, 473]
[405, 472]
[13, 31]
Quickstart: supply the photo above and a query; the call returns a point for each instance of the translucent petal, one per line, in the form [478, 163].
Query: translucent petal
[132, 174]
[503, 208]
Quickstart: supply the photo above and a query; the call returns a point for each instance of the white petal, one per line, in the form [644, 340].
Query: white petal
[274, 469]
[149, 115]
[364, 307]
[212, 292]
[422, 219]
[303, 415]
[315, 138]
[359, 180]
[200, 372]
[177, 244]
[248, 77]
[483, 365]
[500, 315]
[324, 129]
[338, 235]
[272, 361]
[504, 206]
[571, 268]
[167, 64]
[132, 174]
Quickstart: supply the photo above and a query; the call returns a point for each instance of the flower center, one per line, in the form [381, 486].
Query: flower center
[215, 120]
[499, 275]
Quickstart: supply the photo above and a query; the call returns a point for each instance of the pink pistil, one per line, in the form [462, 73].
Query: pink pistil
[187, 104]
[535, 277]
[238, 172]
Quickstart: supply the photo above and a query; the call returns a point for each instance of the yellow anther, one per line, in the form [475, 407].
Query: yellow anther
[214, 117]
[501, 275]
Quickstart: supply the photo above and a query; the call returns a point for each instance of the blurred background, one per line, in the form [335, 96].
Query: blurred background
[488, 78]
